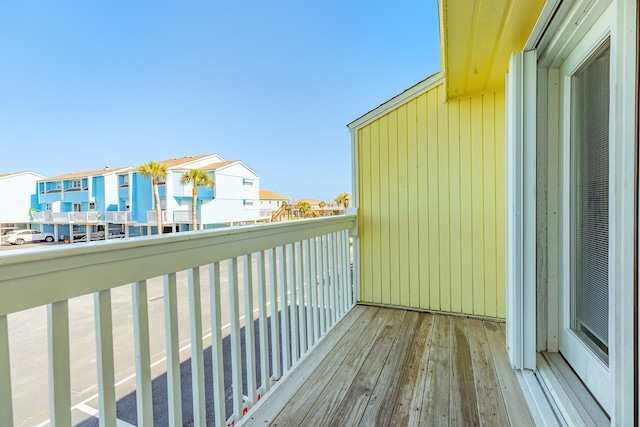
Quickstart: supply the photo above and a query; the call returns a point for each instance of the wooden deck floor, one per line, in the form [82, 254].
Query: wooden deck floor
[383, 366]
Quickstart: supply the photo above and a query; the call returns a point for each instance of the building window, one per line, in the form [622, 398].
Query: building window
[248, 204]
[123, 180]
[92, 206]
[76, 184]
[77, 207]
[48, 207]
[248, 184]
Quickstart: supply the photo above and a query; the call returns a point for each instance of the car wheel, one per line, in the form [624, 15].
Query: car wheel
[49, 239]
[19, 241]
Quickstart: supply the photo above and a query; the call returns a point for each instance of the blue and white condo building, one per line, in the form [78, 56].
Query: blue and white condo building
[118, 202]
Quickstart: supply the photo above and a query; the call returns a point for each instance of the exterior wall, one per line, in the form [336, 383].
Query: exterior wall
[15, 196]
[431, 189]
[230, 196]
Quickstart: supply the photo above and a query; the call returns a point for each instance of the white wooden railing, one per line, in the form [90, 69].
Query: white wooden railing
[118, 217]
[42, 217]
[86, 217]
[184, 217]
[299, 270]
[151, 217]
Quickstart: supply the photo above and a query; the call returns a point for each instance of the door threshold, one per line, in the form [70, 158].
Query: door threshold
[571, 397]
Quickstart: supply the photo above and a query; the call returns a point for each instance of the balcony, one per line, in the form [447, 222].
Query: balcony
[151, 218]
[42, 217]
[88, 217]
[259, 323]
[184, 217]
[61, 217]
[118, 217]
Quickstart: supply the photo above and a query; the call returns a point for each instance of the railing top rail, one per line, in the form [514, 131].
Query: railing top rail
[35, 277]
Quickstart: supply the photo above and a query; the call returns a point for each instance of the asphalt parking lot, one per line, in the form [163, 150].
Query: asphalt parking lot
[34, 245]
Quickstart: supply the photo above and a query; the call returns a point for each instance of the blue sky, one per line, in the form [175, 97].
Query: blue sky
[85, 84]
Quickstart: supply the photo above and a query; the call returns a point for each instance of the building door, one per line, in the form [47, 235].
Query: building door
[586, 189]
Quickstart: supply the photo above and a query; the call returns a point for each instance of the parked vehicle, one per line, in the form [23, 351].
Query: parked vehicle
[22, 236]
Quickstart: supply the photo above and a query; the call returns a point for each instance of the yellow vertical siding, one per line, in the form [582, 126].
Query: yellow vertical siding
[431, 196]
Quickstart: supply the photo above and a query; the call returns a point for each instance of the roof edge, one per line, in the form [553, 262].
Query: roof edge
[402, 98]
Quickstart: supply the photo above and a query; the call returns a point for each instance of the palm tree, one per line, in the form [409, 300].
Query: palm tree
[322, 205]
[155, 170]
[343, 199]
[305, 208]
[198, 178]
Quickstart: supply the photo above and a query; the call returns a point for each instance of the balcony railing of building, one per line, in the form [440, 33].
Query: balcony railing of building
[294, 278]
[266, 213]
[118, 217]
[42, 217]
[184, 217]
[87, 217]
[151, 217]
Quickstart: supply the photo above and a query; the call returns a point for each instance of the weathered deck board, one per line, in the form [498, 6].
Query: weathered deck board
[519, 414]
[435, 411]
[410, 400]
[385, 393]
[396, 367]
[491, 409]
[463, 400]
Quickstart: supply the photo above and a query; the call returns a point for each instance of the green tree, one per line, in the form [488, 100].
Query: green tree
[305, 208]
[155, 170]
[322, 205]
[343, 199]
[199, 179]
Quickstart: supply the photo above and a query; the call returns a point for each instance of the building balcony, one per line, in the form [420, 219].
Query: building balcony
[118, 217]
[43, 217]
[201, 327]
[184, 217]
[152, 218]
[88, 217]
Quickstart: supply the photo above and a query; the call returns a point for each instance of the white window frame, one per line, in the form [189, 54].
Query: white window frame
[555, 40]
[92, 206]
[76, 184]
[78, 206]
[48, 207]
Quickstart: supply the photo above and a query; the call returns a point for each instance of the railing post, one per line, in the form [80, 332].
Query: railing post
[302, 320]
[321, 288]
[275, 327]
[236, 349]
[262, 314]
[143, 353]
[174, 386]
[249, 332]
[309, 300]
[6, 400]
[104, 358]
[59, 367]
[313, 243]
[217, 360]
[284, 310]
[295, 337]
[197, 352]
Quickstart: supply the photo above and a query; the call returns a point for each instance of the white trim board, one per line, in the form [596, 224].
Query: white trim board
[413, 92]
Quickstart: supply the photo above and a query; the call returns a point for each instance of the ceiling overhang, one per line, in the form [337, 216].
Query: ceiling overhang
[478, 37]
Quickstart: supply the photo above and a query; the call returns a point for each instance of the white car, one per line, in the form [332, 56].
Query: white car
[19, 237]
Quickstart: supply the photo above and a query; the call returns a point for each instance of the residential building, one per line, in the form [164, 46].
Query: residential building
[119, 202]
[73, 206]
[270, 204]
[232, 200]
[16, 201]
[504, 188]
